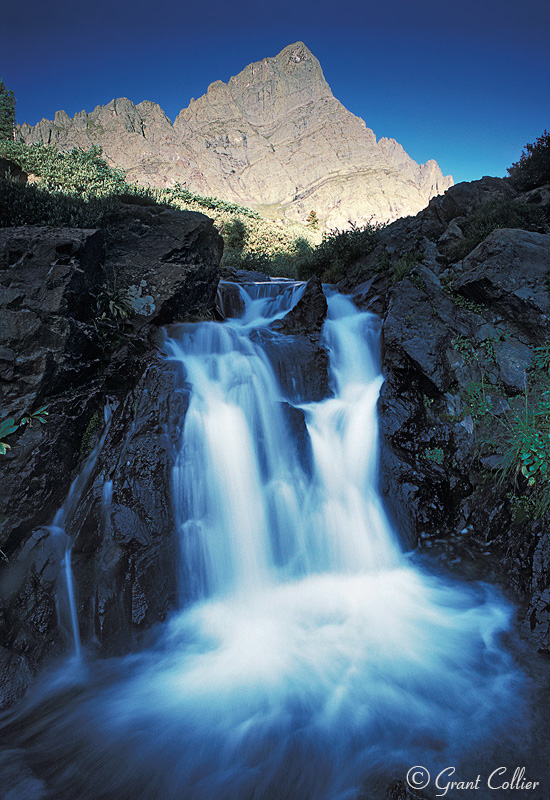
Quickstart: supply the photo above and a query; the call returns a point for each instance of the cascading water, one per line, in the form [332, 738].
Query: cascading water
[311, 654]
[66, 602]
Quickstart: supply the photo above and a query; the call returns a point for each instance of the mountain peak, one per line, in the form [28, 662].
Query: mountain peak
[273, 137]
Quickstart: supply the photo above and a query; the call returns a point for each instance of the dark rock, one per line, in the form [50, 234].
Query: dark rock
[300, 436]
[509, 271]
[166, 260]
[463, 198]
[51, 353]
[308, 314]
[229, 300]
[301, 364]
[513, 359]
[125, 552]
[244, 275]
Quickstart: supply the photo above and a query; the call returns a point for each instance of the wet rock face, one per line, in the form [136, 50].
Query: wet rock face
[52, 352]
[125, 551]
[293, 345]
[309, 313]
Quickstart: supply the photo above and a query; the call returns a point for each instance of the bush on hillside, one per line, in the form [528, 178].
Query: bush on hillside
[337, 251]
[533, 168]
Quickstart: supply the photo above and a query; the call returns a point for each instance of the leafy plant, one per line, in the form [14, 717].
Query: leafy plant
[35, 416]
[476, 400]
[9, 426]
[541, 359]
[435, 454]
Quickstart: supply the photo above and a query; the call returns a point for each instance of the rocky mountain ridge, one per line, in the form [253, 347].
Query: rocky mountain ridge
[273, 138]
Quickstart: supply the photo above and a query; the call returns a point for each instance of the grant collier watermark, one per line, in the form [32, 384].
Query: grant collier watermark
[501, 778]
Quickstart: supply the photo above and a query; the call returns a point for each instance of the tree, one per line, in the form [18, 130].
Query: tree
[312, 220]
[7, 112]
[533, 168]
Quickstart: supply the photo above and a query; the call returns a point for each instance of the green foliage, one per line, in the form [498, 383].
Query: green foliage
[83, 173]
[9, 425]
[528, 440]
[435, 454]
[533, 167]
[78, 188]
[7, 113]
[91, 429]
[235, 234]
[35, 416]
[403, 267]
[476, 400]
[491, 216]
[541, 359]
[112, 309]
[337, 251]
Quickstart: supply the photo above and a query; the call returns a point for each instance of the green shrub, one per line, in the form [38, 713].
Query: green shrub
[435, 454]
[337, 251]
[533, 167]
[491, 216]
[403, 267]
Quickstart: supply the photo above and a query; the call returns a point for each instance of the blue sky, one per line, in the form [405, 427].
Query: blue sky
[465, 83]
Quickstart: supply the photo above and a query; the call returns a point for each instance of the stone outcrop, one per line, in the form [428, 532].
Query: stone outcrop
[56, 348]
[309, 313]
[458, 339]
[273, 138]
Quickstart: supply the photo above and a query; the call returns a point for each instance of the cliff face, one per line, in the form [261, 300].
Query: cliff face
[274, 138]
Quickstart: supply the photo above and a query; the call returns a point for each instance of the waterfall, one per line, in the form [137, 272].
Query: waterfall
[310, 656]
[66, 599]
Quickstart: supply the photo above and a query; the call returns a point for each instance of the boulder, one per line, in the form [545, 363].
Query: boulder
[509, 271]
[309, 313]
[166, 261]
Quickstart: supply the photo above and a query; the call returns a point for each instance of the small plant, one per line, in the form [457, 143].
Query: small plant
[403, 267]
[312, 220]
[435, 454]
[463, 302]
[9, 426]
[476, 400]
[541, 359]
[35, 416]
